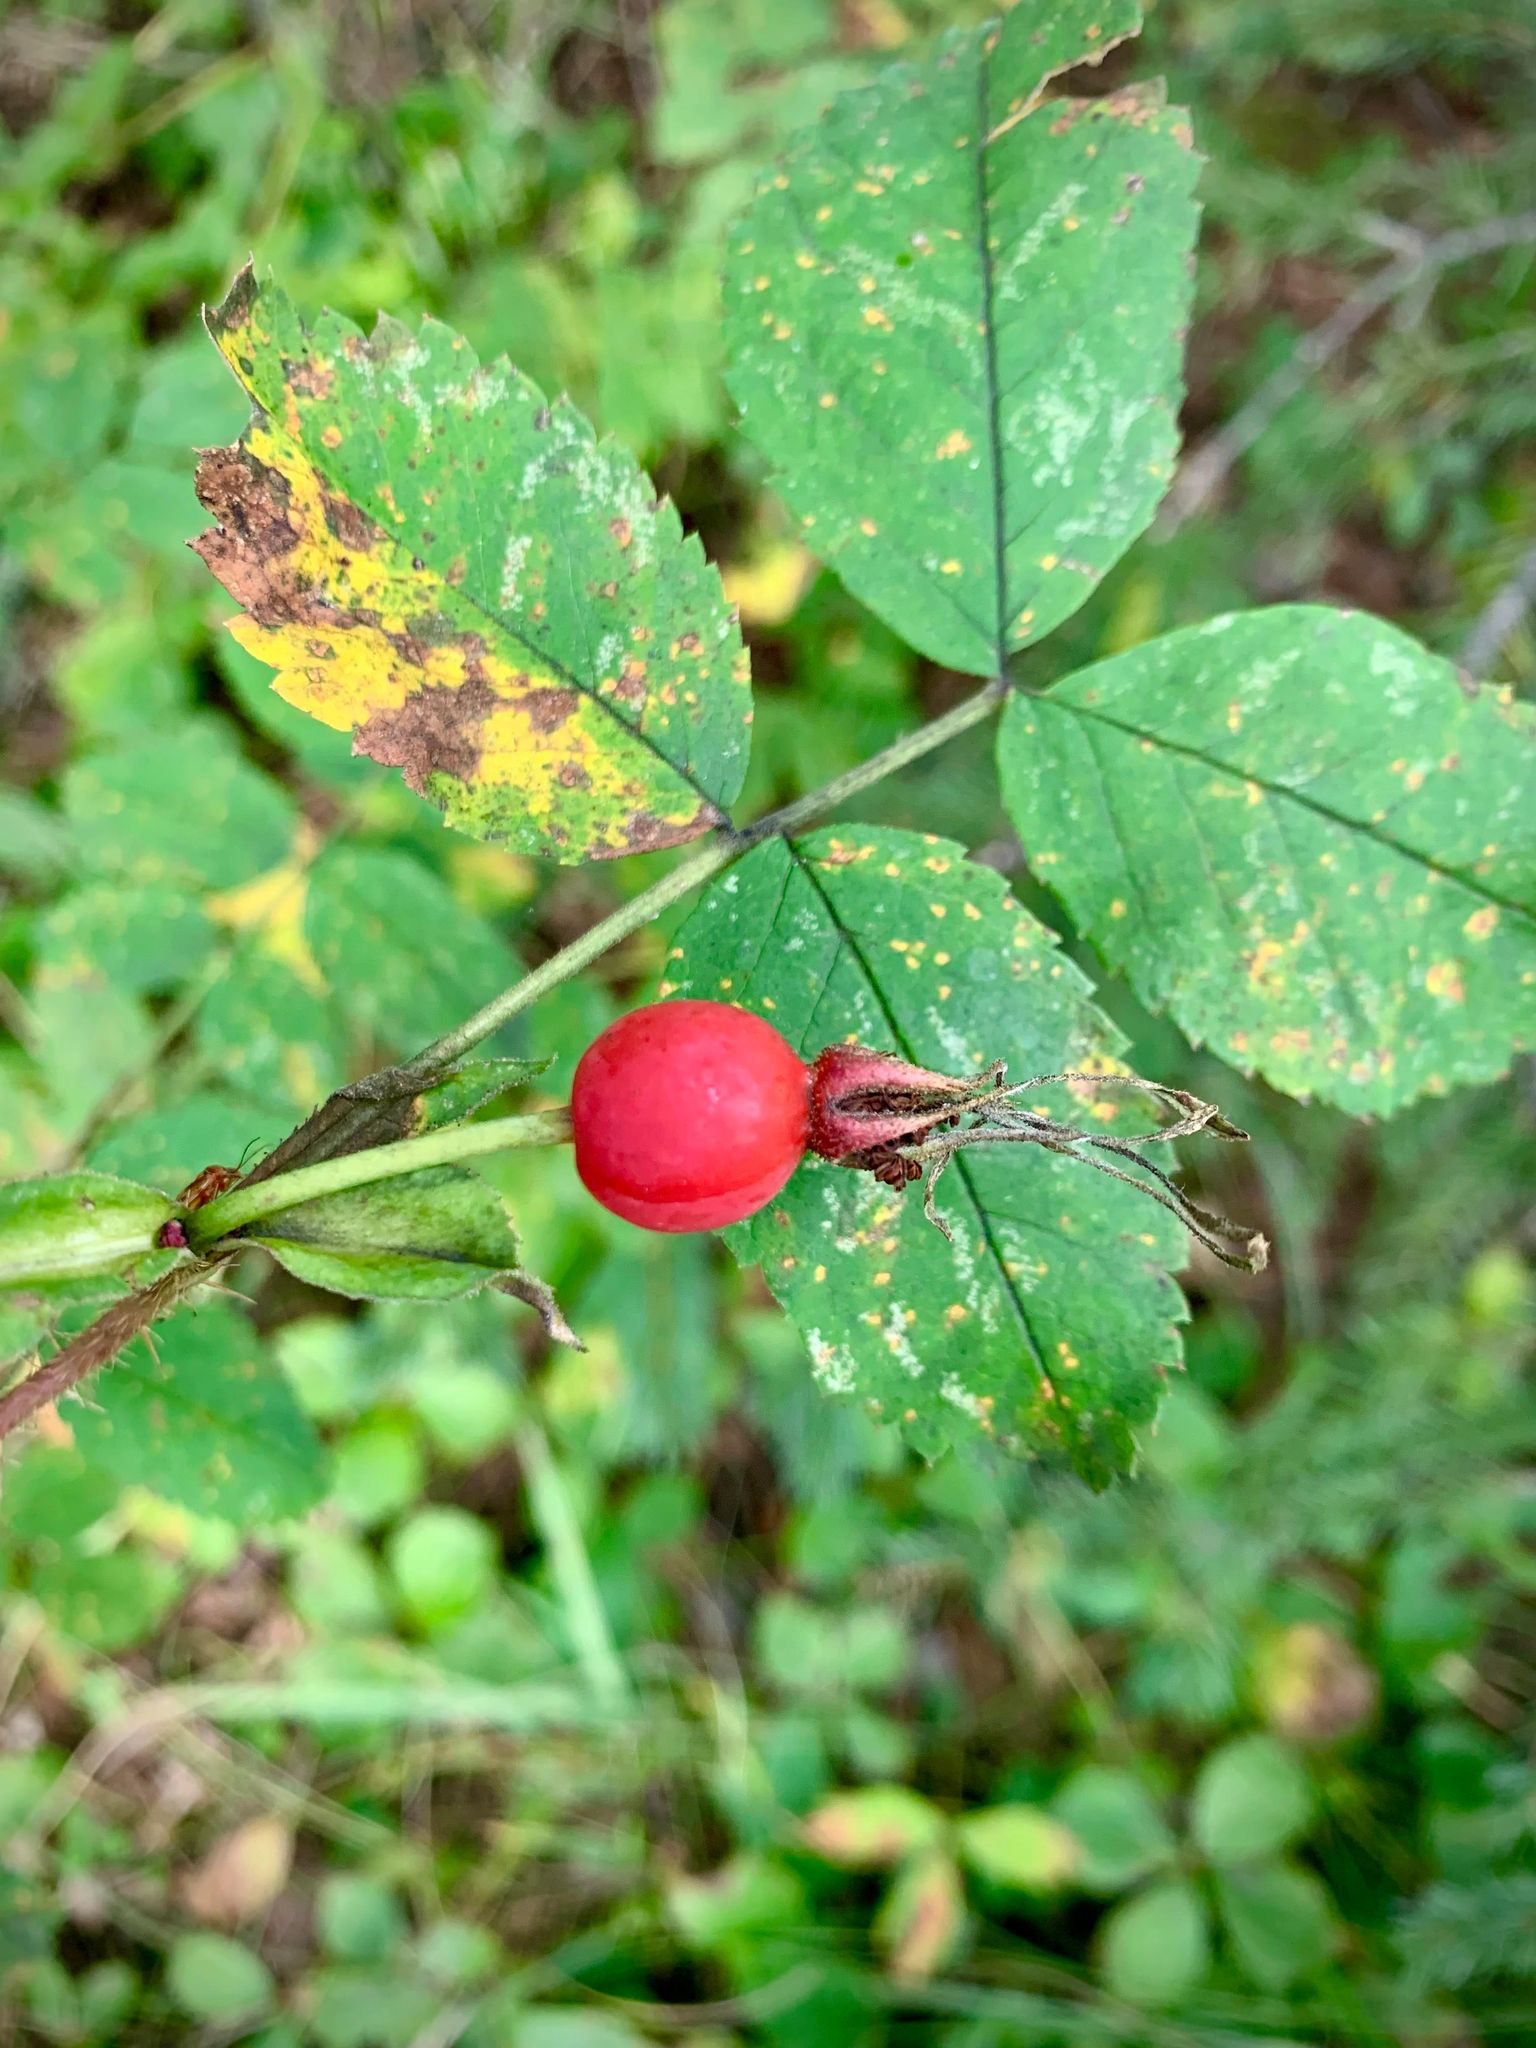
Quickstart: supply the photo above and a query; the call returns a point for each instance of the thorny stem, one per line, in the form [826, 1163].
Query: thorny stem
[100, 1342]
[245, 1204]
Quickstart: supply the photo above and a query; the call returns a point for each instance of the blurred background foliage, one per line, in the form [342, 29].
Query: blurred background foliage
[641, 1696]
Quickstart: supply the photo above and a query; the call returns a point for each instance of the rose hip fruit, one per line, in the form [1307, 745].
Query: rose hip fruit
[688, 1115]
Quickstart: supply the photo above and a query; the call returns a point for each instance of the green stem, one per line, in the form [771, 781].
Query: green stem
[243, 1205]
[727, 848]
[554, 1516]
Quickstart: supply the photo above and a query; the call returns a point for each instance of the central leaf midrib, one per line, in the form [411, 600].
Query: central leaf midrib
[1280, 793]
[904, 1046]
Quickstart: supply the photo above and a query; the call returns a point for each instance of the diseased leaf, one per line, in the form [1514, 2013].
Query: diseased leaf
[954, 314]
[1048, 1324]
[491, 599]
[921, 1921]
[1298, 833]
[209, 1424]
[429, 1236]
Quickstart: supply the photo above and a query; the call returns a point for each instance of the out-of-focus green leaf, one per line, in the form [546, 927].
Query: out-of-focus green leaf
[1251, 1798]
[1278, 1921]
[1046, 1325]
[1019, 1847]
[491, 599]
[211, 1424]
[1295, 830]
[1119, 1830]
[1156, 1947]
[954, 314]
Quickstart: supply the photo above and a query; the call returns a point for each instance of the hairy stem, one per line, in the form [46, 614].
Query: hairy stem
[727, 847]
[245, 1204]
[100, 1342]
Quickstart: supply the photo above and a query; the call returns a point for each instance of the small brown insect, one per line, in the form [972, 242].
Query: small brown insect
[206, 1186]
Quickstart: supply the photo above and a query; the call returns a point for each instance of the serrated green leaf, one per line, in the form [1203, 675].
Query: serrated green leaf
[1298, 833]
[954, 314]
[71, 1226]
[404, 956]
[177, 811]
[467, 1087]
[141, 940]
[1048, 1323]
[461, 574]
[429, 1236]
[210, 1424]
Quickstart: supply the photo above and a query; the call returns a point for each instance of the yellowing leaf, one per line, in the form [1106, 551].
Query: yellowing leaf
[488, 597]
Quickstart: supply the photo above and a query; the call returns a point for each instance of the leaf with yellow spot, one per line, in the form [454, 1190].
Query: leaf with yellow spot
[955, 315]
[1048, 1325]
[208, 1423]
[1301, 834]
[463, 576]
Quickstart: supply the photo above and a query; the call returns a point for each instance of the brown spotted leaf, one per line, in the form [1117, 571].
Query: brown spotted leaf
[955, 315]
[462, 575]
[1296, 831]
[1048, 1324]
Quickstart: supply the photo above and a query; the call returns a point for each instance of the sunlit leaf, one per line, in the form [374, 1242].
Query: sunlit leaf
[1048, 1324]
[1296, 831]
[491, 599]
[955, 314]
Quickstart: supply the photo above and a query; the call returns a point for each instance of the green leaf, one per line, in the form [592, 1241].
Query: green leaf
[954, 314]
[1156, 1947]
[1019, 1848]
[444, 1563]
[172, 812]
[108, 1602]
[429, 1236]
[28, 1917]
[487, 596]
[872, 1826]
[1119, 1830]
[1251, 1798]
[1278, 1920]
[216, 1979]
[210, 1424]
[359, 1919]
[1048, 1323]
[403, 954]
[72, 1226]
[1298, 833]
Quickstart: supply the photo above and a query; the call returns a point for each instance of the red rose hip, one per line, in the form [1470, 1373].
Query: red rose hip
[688, 1115]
